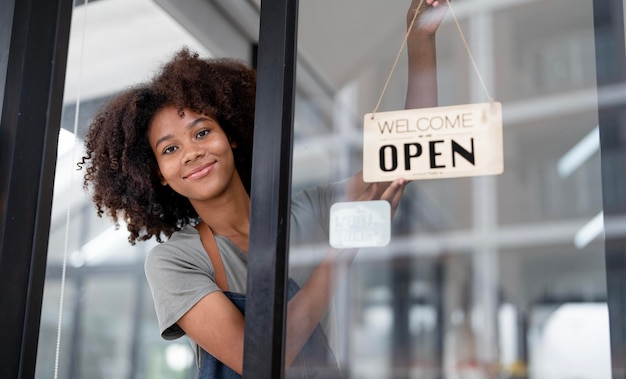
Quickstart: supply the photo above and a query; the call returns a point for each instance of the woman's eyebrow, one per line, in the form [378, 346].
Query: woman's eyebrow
[162, 139]
[197, 121]
[189, 126]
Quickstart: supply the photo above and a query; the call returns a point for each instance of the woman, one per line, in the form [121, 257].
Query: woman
[172, 158]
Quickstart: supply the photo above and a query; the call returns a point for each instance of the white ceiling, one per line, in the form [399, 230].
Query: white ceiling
[117, 43]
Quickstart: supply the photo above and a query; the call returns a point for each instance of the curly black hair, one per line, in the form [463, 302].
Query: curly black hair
[120, 168]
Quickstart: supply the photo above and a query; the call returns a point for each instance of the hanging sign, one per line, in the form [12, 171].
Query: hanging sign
[360, 224]
[433, 143]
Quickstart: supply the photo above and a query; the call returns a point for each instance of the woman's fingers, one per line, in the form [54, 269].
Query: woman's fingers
[395, 187]
[393, 194]
[431, 14]
[369, 193]
[390, 192]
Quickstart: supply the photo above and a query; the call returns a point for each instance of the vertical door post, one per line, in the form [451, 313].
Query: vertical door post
[271, 191]
[611, 74]
[34, 53]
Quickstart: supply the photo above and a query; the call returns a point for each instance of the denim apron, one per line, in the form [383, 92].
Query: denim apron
[315, 361]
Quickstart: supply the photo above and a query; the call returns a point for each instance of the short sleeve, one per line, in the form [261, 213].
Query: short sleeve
[310, 212]
[178, 279]
[310, 219]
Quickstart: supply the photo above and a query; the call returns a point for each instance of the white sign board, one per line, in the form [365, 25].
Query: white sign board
[433, 143]
[357, 224]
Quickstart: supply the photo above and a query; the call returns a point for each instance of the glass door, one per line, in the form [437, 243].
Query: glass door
[97, 318]
[512, 275]
[484, 276]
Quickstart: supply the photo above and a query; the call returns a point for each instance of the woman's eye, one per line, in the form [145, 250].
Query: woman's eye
[169, 149]
[202, 133]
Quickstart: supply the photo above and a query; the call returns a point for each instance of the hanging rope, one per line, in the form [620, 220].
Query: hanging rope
[469, 52]
[395, 63]
[406, 36]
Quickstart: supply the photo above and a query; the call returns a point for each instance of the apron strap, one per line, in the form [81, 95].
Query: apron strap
[208, 241]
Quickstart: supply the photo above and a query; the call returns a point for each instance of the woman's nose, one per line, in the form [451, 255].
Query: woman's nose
[192, 154]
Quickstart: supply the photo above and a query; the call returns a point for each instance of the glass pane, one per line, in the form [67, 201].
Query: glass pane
[94, 275]
[486, 276]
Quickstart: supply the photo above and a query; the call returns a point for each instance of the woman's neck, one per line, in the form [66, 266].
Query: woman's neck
[228, 215]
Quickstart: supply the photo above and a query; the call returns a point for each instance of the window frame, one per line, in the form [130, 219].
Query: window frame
[609, 18]
[271, 191]
[33, 62]
[32, 70]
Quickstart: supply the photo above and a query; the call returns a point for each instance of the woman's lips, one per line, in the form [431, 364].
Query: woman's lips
[200, 171]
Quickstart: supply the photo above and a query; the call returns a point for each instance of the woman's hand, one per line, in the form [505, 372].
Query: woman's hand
[431, 13]
[357, 190]
[422, 78]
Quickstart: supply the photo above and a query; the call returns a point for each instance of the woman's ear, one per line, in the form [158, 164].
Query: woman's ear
[233, 143]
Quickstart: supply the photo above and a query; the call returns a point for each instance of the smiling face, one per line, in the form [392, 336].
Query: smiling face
[193, 153]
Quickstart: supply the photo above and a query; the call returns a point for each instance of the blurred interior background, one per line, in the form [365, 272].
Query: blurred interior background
[500, 276]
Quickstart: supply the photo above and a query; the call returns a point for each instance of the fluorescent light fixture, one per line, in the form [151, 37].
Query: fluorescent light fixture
[67, 140]
[582, 151]
[104, 245]
[590, 231]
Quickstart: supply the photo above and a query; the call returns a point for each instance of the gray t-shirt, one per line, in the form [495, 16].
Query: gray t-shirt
[180, 272]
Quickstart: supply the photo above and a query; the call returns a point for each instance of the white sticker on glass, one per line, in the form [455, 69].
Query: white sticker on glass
[360, 224]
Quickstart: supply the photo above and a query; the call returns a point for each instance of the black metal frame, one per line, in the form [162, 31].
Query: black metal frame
[611, 72]
[33, 53]
[271, 191]
[31, 114]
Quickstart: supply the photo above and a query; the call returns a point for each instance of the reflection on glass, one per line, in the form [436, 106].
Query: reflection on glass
[108, 325]
[483, 276]
[473, 262]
